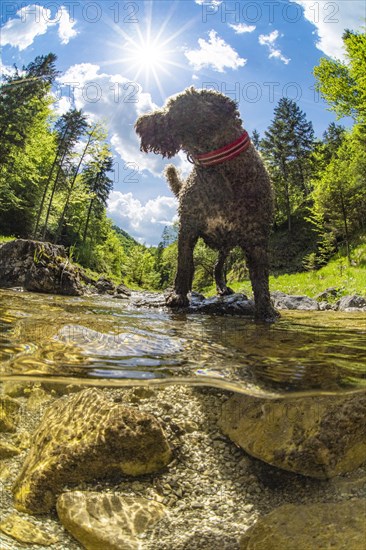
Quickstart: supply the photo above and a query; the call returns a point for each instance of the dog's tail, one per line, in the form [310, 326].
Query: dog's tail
[174, 181]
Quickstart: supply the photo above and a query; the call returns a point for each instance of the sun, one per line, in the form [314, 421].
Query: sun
[148, 54]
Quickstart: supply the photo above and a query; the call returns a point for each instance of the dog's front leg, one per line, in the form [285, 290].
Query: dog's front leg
[185, 271]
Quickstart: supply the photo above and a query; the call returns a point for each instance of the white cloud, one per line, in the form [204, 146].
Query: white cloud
[242, 28]
[209, 2]
[33, 21]
[66, 25]
[119, 102]
[331, 19]
[269, 41]
[214, 53]
[145, 222]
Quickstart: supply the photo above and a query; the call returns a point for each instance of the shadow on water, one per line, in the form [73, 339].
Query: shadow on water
[102, 341]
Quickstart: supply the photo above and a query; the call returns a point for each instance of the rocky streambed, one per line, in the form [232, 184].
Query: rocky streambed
[180, 467]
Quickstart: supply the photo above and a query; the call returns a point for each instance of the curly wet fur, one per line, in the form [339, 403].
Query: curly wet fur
[228, 205]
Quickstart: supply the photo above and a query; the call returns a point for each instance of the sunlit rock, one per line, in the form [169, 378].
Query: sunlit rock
[351, 303]
[84, 437]
[39, 267]
[107, 521]
[318, 436]
[310, 526]
[26, 532]
[285, 301]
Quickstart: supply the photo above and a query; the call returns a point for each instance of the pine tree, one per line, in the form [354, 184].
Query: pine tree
[286, 146]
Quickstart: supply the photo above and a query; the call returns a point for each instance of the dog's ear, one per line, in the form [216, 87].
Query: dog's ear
[155, 136]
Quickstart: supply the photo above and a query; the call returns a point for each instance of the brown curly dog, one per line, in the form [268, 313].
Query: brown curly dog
[227, 198]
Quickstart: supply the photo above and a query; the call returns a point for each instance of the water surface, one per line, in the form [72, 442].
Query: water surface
[101, 340]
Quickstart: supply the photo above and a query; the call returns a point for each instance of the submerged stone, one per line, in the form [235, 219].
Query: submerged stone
[320, 437]
[310, 526]
[84, 437]
[9, 412]
[7, 450]
[26, 532]
[107, 521]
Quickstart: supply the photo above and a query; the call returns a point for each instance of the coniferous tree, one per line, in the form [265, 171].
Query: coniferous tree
[287, 146]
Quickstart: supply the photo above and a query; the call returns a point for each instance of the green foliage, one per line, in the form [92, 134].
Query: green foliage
[343, 85]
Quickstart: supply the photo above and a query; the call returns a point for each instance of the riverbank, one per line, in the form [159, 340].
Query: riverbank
[211, 493]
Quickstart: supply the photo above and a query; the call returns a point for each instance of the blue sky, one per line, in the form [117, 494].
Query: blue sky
[120, 59]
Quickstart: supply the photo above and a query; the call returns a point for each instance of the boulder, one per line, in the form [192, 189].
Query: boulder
[285, 301]
[355, 301]
[107, 521]
[84, 437]
[233, 304]
[38, 266]
[310, 526]
[320, 437]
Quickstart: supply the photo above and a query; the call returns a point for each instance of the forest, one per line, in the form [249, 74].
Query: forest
[56, 174]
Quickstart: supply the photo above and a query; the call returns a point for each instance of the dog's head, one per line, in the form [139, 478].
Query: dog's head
[189, 121]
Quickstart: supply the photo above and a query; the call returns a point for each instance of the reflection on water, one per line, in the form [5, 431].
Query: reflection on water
[92, 338]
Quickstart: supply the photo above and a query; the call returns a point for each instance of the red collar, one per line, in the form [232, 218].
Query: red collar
[223, 154]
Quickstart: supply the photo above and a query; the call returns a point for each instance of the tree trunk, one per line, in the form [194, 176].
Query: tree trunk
[87, 220]
[345, 225]
[60, 223]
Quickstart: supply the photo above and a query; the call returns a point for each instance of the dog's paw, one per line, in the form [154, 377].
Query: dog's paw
[177, 300]
[269, 316]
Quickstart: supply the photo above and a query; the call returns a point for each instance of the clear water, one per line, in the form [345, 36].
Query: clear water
[103, 341]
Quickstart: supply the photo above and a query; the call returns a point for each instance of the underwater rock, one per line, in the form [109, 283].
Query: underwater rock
[285, 301]
[320, 437]
[9, 411]
[107, 521]
[24, 531]
[7, 450]
[84, 437]
[309, 526]
[350, 303]
[39, 267]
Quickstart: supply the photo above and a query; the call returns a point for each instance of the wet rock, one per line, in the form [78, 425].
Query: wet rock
[105, 286]
[350, 303]
[84, 437]
[9, 412]
[7, 450]
[107, 521]
[309, 526]
[285, 301]
[320, 437]
[123, 290]
[26, 532]
[234, 304]
[38, 266]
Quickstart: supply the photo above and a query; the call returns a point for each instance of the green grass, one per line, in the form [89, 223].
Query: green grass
[6, 239]
[337, 273]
